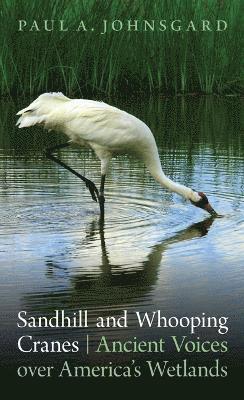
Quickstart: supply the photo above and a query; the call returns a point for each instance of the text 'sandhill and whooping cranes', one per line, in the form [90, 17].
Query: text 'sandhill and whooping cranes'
[108, 131]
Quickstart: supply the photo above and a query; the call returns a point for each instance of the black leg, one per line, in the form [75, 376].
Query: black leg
[101, 197]
[91, 186]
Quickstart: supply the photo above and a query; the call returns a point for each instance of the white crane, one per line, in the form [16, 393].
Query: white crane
[108, 131]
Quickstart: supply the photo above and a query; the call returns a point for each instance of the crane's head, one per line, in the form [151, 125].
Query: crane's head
[204, 204]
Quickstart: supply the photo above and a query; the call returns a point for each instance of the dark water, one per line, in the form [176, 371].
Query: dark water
[155, 251]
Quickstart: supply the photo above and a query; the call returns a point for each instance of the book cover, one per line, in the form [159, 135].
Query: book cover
[122, 191]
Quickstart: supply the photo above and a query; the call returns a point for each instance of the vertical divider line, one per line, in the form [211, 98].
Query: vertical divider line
[87, 344]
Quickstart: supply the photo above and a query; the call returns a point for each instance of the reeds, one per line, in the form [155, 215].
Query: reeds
[80, 63]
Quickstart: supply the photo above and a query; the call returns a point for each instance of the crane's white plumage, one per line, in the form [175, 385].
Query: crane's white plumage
[106, 129]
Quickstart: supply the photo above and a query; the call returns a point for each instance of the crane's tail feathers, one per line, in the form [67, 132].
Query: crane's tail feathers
[43, 99]
[28, 118]
[37, 111]
[27, 109]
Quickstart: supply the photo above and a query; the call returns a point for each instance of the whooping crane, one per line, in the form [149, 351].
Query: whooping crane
[108, 131]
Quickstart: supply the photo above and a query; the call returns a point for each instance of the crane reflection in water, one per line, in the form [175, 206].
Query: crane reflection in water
[113, 285]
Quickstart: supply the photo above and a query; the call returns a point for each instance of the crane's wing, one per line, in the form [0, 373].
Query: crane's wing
[100, 123]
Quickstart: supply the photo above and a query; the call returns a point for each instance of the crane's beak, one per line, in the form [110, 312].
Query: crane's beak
[210, 210]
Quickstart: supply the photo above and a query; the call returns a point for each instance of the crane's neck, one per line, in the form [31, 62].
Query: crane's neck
[153, 164]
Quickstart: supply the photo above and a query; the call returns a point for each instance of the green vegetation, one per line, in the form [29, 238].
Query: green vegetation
[80, 63]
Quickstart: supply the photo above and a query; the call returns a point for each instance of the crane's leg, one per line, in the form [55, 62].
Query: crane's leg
[101, 197]
[89, 184]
